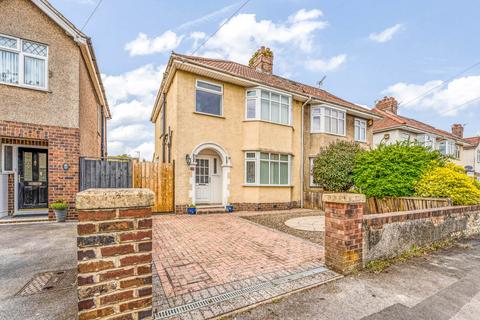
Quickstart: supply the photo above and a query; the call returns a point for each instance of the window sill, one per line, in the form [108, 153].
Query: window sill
[208, 114]
[360, 141]
[25, 87]
[328, 133]
[267, 185]
[265, 121]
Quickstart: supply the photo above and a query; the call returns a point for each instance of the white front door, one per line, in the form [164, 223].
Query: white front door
[203, 185]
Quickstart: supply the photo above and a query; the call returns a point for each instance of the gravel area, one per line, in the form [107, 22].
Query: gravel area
[277, 221]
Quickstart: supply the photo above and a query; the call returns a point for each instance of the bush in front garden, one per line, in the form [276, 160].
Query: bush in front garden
[392, 170]
[449, 182]
[334, 164]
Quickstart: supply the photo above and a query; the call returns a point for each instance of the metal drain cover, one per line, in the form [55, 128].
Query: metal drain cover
[49, 281]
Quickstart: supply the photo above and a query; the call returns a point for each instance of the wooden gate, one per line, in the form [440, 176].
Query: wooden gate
[105, 173]
[159, 178]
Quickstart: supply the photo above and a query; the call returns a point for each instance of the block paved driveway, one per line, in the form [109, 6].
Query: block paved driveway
[192, 253]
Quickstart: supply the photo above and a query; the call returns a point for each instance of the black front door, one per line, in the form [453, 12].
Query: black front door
[32, 178]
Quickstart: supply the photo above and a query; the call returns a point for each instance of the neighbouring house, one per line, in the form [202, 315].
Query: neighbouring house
[52, 107]
[241, 135]
[471, 157]
[393, 128]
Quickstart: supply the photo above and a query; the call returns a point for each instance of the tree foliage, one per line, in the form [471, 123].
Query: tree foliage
[392, 170]
[451, 182]
[333, 167]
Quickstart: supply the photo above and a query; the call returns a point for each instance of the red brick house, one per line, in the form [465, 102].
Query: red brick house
[53, 107]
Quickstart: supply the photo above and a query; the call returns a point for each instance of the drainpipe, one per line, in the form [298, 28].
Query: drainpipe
[302, 163]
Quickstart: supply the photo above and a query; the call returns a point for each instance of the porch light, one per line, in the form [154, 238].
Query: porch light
[188, 159]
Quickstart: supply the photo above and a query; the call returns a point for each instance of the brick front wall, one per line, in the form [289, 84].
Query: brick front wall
[115, 263]
[63, 147]
[343, 236]
[179, 209]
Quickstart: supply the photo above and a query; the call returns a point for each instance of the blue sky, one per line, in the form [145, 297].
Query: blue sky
[367, 49]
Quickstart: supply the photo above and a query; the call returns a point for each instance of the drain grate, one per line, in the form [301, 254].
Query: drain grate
[49, 281]
[236, 293]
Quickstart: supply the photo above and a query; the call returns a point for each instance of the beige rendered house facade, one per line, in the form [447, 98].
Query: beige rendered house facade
[240, 135]
[52, 107]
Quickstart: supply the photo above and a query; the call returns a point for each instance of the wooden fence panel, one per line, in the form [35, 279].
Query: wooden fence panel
[105, 173]
[392, 204]
[159, 178]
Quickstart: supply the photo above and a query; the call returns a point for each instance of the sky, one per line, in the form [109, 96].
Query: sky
[416, 51]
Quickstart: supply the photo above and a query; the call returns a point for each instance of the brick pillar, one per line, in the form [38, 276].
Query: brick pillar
[114, 254]
[11, 194]
[343, 231]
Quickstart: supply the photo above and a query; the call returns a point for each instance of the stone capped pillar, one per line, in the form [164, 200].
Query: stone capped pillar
[343, 231]
[114, 254]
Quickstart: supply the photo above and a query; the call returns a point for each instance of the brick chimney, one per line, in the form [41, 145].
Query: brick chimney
[387, 104]
[457, 129]
[262, 60]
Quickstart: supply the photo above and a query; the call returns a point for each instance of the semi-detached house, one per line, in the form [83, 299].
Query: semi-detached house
[52, 107]
[241, 135]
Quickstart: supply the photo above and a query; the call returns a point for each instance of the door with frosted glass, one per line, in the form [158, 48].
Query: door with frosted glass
[32, 178]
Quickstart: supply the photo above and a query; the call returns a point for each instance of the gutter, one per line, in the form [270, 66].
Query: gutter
[302, 164]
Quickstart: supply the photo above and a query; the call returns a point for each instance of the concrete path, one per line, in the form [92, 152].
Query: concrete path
[442, 286]
[29, 249]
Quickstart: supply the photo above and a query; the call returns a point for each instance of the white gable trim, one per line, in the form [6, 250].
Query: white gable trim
[61, 21]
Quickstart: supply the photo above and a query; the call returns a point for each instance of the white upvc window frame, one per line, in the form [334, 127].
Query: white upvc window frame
[257, 159]
[21, 63]
[258, 105]
[362, 125]
[426, 140]
[312, 183]
[322, 116]
[478, 155]
[209, 91]
[451, 149]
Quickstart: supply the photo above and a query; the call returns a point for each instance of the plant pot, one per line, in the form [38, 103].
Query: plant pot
[192, 210]
[61, 215]
[229, 208]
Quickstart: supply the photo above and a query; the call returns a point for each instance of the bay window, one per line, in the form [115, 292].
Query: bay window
[449, 148]
[208, 98]
[269, 106]
[264, 168]
[360, 130]
[426, 140]
[325, 119]
[23, 62]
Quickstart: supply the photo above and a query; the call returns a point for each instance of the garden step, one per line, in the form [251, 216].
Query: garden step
[210, 209]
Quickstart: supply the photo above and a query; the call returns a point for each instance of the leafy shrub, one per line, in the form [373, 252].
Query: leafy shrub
[334, 164]
[449, 182]
[59, 205]
[392, 170]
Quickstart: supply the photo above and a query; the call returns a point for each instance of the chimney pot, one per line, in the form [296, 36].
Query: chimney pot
[388, 104]
[262, 60]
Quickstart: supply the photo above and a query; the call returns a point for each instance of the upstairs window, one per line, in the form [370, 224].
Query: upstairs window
[209, 98]
[23, 62]
[269, 106]
[327, 120]
[449, 148]
[360, 130]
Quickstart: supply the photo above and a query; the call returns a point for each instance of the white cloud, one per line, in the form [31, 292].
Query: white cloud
[303, 15]
[244, 34]
[144, 45]
[387, 34]
[131, 96]
[139, 82]
[208, 17]
[447, 100]
[326, 65]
